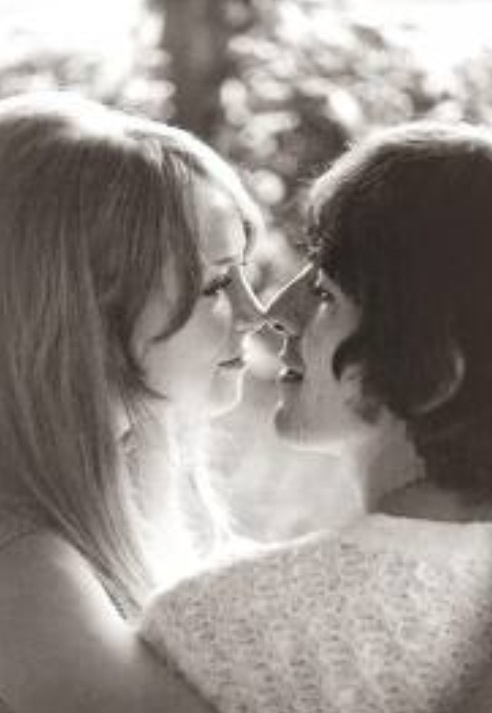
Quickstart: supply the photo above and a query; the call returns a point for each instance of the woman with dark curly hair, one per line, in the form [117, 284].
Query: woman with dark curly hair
[387, 349]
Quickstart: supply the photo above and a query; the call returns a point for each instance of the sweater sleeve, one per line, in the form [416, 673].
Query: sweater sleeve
[326, 625]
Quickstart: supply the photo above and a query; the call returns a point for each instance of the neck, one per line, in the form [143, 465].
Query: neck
[390, 478]
[383, 464]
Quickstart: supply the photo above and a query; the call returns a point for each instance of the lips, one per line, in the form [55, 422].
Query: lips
[290, 375]
[236, 362]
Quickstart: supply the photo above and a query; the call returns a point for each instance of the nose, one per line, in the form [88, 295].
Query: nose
[249, 313]
[285, 313]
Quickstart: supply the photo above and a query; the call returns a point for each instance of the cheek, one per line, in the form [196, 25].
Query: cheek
[192, 353]
[209, 328]
[319, 376]
[329, 401]
[199, 340]
[159, 364]
[221, 315]
[318, 347]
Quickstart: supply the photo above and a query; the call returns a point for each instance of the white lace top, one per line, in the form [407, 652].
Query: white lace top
[393, 615]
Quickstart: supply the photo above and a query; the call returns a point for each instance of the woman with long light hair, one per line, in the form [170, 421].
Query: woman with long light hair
[122, 297]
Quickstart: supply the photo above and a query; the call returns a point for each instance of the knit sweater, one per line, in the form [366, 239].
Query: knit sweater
[392, 615]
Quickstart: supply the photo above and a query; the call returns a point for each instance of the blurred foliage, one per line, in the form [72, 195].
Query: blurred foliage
[310, 77]
[132, 75]
[301, 79]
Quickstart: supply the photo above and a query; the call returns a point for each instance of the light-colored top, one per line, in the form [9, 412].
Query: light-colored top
[390, 616]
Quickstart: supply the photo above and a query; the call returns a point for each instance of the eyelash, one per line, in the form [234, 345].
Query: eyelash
[216, 285]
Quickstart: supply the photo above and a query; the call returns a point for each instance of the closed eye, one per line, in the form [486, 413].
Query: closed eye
[324, 294]
[216, 285]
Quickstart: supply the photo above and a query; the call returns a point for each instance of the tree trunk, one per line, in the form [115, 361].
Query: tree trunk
[196, 36]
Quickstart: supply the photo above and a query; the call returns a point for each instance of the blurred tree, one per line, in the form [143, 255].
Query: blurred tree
[196, 36]
[278, 86]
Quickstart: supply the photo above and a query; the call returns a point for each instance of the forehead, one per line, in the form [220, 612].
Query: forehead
[220, 223]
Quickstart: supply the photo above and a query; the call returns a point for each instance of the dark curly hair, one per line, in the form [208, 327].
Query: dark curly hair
[403, 223]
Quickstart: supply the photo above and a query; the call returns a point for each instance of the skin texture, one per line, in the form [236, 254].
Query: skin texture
[315, 317]
[65, 648]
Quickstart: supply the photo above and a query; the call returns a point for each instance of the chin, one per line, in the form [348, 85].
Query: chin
[225, 394]
[290, 428]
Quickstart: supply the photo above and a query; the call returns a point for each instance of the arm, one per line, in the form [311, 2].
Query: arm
[65, 648]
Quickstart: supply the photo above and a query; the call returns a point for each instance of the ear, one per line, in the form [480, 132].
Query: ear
[453, 374]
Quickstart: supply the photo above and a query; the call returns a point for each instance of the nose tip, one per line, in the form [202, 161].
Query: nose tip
[279, 317]
[251, 316]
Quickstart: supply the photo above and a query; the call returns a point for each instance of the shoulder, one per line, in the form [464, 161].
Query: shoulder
[378, 560]
[57, 624]
[375, 548]
[320, 616]
[41, 572]
[50, 604]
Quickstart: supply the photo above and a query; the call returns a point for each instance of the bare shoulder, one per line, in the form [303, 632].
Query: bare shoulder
[38, 558]
[63, 645]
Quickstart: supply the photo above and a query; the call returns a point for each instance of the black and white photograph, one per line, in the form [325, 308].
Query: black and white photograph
[245, 356]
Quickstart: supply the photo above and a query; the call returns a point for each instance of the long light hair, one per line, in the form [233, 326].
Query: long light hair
[93, 204]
